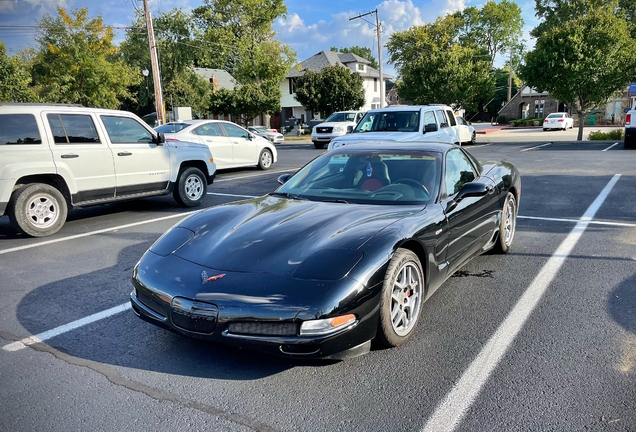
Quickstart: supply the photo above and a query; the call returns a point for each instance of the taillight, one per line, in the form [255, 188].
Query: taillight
[561, 121]
[171, 139]
[628, 118]
[545, 121]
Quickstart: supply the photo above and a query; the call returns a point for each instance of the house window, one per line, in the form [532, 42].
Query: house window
[375, 106]
[360, 67]
[375, 84]
[292, 85]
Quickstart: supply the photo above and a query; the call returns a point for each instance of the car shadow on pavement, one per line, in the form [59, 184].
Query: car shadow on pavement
[124, 339]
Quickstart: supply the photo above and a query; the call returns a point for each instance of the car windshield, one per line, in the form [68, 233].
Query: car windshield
[389, 121]
[366, 177]
[341, 117]
[171, 127]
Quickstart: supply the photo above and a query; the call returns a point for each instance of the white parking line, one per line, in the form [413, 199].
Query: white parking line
[536, 147]
[613, 145]
[619, 224]
[232, 195]
[453, 408]
[41, 337]
[255, 175]
[105, 230]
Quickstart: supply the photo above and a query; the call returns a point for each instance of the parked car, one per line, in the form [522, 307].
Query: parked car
[54, 158]
[337, 124]
[345, 251]
[467, 134]
[559, 120]
[232, 146]
[270, 134]
[630, 128]
[402, 123]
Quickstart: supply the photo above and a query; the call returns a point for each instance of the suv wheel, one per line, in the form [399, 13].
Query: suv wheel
[37, 210]
[191, 187]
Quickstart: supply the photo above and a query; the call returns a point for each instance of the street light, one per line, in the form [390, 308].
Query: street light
[145, 73]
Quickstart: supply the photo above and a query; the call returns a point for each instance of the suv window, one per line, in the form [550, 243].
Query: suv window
[72, 128]
[459, 171]
[441, 118]
[429, 118]
[451, 118]
[19, 129]
[124, 130]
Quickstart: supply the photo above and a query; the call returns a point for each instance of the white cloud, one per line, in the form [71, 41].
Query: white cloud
[19, 5]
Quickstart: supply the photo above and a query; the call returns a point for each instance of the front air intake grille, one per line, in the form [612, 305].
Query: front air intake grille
[263, 328]
[324, 129]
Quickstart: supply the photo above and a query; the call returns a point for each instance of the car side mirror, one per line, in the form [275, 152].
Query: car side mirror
[159, 139]
[250, 136]
[283, 178]
[431, 127]
[349, 129]
[469, 189]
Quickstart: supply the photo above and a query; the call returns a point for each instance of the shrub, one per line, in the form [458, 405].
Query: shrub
[501, 119]
[613, 135]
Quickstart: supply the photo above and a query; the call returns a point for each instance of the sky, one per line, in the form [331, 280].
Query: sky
[309, 27]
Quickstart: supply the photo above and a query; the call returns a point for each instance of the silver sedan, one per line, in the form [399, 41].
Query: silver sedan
[269, 134]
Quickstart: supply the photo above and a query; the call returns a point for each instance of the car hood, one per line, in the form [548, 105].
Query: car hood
[332, 124]
[271, 234]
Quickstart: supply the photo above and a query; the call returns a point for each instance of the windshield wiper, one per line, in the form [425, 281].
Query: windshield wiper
[340, 201]
[286, 195]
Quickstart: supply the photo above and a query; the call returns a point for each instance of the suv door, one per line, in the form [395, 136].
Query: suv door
[81, 156]
[439, 134]
[140, 164]
[448, 126]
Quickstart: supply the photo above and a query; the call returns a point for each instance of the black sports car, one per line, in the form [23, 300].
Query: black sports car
[344, 252]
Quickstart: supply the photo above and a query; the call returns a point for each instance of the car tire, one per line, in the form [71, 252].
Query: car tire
[507, 225]
[191, 187]
[401, 299]
[265, 159]
[545, 129]
[37, 210]
[629, 141]
[473, 138]
[319, 145]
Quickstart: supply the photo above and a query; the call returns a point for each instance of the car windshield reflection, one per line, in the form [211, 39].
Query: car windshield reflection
[365, 177]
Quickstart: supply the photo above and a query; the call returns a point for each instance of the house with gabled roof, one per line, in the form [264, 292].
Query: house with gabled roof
[292, 109]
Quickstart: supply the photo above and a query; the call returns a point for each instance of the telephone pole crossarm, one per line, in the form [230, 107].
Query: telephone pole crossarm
[379, 31]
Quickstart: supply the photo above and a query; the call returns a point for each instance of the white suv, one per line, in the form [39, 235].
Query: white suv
[430, 123]
[336, 125]
[56, 157]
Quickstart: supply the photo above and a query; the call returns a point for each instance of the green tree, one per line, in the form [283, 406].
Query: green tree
[334, 88]
[582, 60]
[363, 52]
[15, 78]
[246, 101]
[435, 68]
[188, 89]
[494, 28]
[77, 62]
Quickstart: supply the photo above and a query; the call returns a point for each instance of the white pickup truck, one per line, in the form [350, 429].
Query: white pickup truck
[630, 128]
[57, 157]
[336, 125]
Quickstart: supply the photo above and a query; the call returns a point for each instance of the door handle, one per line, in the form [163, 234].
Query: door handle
[69, 156]
[124, 154]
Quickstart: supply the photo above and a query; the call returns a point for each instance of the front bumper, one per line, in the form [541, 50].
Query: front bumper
[201, 313]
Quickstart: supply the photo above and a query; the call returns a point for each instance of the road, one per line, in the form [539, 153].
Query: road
[543, 338]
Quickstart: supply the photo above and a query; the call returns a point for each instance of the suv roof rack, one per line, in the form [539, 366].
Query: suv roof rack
[39, 104]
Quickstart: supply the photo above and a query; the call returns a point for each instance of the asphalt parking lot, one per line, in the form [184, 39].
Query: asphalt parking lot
[543, 338]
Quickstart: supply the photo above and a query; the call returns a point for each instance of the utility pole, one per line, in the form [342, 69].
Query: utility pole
[510, 78]
[379, 31]
[156, 76]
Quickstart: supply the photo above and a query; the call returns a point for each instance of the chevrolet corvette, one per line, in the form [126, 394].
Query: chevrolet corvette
[343, 253]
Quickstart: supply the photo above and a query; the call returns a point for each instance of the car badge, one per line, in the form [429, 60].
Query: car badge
[369, 170]
[206, 279]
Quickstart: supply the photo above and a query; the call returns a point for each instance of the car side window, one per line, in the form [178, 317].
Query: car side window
[441, 118]
[125, 130]
[451, 118]
[210, 129]
[235, 131]
[429, 118]
[73, 129]
[19, 129]
[459, 171]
